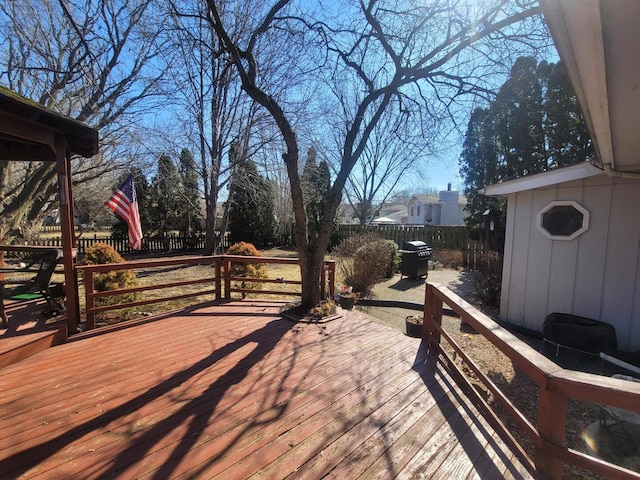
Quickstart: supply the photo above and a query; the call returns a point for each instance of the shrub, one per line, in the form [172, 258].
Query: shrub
[365, 260]
[101, 254]
[446, 258]
[249, 270]
[488, 279]
[349, 246]
[392, 258]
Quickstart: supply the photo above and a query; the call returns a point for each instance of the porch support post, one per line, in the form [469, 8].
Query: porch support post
[68, 237]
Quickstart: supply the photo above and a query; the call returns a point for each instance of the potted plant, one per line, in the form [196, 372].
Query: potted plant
[346, 297]
[413, 325]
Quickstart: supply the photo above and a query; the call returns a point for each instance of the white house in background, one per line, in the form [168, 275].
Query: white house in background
[446, 208]
[571, 246]
[396, 211]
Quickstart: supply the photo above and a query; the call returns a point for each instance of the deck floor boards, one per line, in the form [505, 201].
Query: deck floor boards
[236, 391]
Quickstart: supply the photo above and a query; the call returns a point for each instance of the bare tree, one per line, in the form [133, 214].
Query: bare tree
[223, 120]
[98, 62]
[420, 58]
[394, 151]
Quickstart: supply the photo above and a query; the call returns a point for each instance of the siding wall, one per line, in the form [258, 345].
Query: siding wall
[595, 275]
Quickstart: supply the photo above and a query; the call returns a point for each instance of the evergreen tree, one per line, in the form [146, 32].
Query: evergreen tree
[533, 125]
[165, 190]
[567, 134]
[479, 168]
[189, 217]
[252, 213]
[517, 114]
[316, 182]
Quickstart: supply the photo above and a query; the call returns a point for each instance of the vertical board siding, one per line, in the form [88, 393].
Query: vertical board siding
[589, 281]
[595, 275]
[621, 260]
[507, 267]
[520, 258]
[564, 256]
[542, 253]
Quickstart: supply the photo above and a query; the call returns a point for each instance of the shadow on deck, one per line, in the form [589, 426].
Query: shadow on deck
[236, 391]
[29, 331]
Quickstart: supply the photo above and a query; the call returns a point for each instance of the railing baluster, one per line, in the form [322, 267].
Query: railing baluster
[218, 279]
[89, 301]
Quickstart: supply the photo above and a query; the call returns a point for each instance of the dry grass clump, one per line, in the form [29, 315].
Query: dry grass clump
[446, 258]
[324, 309]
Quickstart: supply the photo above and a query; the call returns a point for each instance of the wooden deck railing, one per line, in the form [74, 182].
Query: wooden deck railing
[220, 277]
[556, 386]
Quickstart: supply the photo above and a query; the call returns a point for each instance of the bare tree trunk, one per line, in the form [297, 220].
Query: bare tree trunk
[384, 63]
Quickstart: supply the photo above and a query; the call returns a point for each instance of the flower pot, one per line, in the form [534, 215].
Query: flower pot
[413, 326]
[347, 301]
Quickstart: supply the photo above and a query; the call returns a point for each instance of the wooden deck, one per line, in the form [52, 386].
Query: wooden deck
[28, 331]
[235, 391]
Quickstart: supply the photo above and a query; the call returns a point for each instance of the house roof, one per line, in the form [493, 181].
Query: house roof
[597, 41]
[426, 198]
[394, 207]
[434, 199]
[541, 180]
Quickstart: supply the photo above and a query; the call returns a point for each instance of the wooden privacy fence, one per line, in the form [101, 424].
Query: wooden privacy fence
[437, 237]
[555, 387]
[170, 243]
[472, 253]
[220, 283]
[456, 239]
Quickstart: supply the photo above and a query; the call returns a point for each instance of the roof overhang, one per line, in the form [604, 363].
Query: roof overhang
[598, 43]
[28, 130]
[543, 180]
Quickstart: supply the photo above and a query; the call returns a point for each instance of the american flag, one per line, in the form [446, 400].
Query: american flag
[125, 203]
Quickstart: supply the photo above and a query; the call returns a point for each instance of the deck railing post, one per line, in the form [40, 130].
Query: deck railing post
[227, 277]
[323, 281]
[432, 316]
[218, 267]
[88, 298]
[332, 278]
[552, 421]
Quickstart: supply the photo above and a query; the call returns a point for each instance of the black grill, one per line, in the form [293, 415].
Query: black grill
[415, 259]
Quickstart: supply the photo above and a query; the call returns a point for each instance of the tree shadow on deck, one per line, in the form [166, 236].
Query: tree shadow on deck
[462, 420]
[196, 412]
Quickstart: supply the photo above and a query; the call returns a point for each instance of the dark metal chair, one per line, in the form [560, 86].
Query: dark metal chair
[34, 277]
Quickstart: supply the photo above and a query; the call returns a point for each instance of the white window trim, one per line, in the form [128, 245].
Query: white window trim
[564, 203]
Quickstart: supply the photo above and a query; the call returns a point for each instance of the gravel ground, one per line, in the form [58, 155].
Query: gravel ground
[412, 291]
